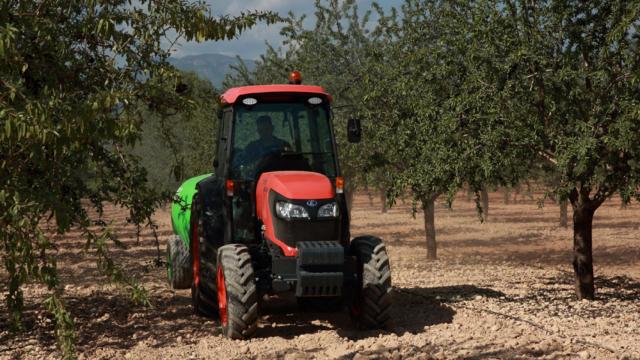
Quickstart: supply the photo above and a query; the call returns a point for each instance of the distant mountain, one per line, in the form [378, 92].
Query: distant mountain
[210, 66]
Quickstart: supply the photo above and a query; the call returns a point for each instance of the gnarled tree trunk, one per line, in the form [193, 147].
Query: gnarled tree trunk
[484, 200]
[564, 204]
[516, 191]
[428, 209]
[369, 195]
[349, 197]
[583, 210]
[383, 200]
[582, 252]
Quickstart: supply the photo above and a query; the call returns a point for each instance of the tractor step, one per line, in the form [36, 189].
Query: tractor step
[316, 284]
[320, 268]
[322, 253]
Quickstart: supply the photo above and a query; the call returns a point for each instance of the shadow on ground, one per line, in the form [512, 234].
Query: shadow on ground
[107, 320]
[414, 309]
[615, 288]
[115, 321]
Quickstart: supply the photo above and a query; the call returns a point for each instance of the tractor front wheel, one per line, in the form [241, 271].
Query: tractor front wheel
[371, 304]
[237, 294]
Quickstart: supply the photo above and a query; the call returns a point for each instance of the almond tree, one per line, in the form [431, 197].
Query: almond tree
[574, 77]
[73, 75]
[425, 96]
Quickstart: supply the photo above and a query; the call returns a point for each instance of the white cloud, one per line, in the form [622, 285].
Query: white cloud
[251, 44]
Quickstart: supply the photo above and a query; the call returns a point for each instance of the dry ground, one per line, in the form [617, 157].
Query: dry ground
[501, 289]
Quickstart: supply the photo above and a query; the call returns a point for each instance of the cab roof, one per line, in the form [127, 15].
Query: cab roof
[232, 95]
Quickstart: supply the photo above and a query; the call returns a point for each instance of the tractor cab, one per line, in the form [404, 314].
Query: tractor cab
[272, 218]
[291, 133]
[277, 128]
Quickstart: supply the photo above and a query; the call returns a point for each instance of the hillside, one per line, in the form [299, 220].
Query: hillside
[213, 67]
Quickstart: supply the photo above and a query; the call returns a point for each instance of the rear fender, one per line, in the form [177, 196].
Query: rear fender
[181, 208]
[213, 196]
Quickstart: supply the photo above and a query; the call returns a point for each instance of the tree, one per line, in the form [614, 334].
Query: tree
[407, 77]
[184, 138]
[74, 76]
[435, 128]
[575, 80]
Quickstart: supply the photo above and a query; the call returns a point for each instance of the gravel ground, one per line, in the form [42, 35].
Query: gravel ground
[502, 289]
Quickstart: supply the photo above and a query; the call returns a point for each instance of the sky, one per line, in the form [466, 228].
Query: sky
[251, 44]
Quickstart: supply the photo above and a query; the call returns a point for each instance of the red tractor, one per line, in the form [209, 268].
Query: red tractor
[272, 217]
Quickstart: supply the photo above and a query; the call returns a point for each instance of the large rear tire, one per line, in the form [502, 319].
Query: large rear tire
[371, 304]
[203, 289]
[237, 293]
[178, 263]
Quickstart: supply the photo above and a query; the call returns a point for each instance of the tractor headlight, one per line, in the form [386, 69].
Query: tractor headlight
[290, 211]
[329, 210]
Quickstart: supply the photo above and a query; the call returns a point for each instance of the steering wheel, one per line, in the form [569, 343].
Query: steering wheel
[267, 161]
[282, 160]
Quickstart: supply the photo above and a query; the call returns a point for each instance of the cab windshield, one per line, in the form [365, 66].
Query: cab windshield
[281, 136]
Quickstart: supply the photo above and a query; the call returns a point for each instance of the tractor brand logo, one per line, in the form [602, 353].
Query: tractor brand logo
[312, 203]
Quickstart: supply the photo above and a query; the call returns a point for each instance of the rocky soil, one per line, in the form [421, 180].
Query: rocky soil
[502, 289]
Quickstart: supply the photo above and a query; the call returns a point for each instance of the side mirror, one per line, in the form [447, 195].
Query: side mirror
[354, 130]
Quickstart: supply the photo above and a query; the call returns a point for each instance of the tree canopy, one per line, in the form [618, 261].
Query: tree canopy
[75, 78]
[488, 92]
[576, 69]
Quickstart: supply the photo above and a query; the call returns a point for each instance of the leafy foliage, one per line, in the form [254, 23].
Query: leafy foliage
[183, 138]
[75, 76]
[576, 71]
[487, 92]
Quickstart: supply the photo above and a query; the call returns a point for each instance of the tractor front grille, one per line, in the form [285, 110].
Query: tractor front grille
[291, 232]
[315, 229]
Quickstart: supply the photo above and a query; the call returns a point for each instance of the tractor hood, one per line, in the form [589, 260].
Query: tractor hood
[296, 185]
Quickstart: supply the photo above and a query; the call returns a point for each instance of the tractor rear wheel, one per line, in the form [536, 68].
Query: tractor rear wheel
[371, 304]
[178, 263]
[203, 289]
[237, 293]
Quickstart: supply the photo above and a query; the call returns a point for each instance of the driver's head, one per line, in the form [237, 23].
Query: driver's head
[265, 127]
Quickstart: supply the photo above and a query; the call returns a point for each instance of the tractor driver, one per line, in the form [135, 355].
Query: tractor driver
[266, 144]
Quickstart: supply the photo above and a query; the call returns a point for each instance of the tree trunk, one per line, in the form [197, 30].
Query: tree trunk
[582, 250]
[507, 195]
[369, 195]
[383, 200]
[484, 199]
[563, 213]
[350, 195]
[516, 192]
[428, 208]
